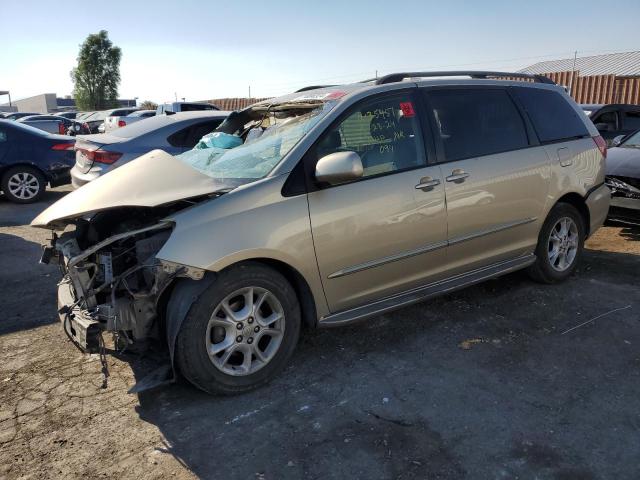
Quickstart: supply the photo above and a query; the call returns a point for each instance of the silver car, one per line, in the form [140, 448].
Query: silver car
[326, 207]
[101, 153]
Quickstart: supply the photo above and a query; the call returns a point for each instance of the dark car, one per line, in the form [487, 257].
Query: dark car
[17, 115]
[30, 159]
[55, 124]
[614, 119]
[69, 115]
[623, 178]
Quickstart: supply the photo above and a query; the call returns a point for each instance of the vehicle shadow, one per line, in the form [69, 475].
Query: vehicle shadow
[631, 233]
[13, 214]
[392, 397]
[25, 285]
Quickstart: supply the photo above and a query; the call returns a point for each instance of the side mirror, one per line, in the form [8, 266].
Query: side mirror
[617, 140]
[602, 127]
[339, 167]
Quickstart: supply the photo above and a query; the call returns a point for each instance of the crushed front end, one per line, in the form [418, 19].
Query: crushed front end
[112, 280]
[625, 199]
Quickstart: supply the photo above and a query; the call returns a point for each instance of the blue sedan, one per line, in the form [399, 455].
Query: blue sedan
[30, 159]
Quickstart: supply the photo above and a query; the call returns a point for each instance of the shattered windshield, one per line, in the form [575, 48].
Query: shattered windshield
[255, 149]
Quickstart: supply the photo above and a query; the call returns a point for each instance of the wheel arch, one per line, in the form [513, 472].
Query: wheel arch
[175, 301]
[576, 200]
[5, 168]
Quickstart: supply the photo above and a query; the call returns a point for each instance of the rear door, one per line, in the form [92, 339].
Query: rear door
[496, 175]
[386, 232]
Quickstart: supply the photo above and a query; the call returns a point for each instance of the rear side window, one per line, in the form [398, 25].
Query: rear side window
[189, 136]
[552, 116]
[473, 123]
[631, 120]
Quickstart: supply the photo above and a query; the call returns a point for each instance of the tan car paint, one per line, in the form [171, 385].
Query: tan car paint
[373, 220]
[240, 226]
[495, 213]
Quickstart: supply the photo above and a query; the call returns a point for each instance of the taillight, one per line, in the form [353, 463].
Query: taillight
[61, 128]
[602, 145]
[63, 146]
[101, 156]
[121, 123]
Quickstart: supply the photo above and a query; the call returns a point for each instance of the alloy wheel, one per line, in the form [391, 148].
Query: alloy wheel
[563, 244]
[245, 331]
[23, 185]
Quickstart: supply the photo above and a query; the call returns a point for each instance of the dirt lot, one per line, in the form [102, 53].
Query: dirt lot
[489, 382]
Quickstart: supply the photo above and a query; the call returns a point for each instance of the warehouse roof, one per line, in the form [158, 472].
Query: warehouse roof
[626, 64]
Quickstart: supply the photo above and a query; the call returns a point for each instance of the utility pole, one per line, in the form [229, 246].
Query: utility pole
[376, 74]
[249, 91]
[573, 72]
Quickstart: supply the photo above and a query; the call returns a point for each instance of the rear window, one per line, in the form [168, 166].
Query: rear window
[29, 129]
[631, 120]
[192, 107]
[552, 116]
[473, 123]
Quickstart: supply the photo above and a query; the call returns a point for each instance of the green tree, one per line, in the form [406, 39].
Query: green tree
[97, 75]
[148, 105]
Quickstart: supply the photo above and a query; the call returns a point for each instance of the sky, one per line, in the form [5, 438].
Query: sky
[210, 49]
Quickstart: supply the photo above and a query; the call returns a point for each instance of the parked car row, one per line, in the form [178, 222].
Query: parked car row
[175, 134]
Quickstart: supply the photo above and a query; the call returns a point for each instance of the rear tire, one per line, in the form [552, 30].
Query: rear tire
[560, 245]
[23, 184]
[240, 332]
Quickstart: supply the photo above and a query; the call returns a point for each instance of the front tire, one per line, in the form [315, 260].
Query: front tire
[560, 245]
[240, 332]
[23, 184]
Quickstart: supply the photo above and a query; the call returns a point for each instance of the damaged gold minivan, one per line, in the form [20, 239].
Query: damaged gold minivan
[325, 207]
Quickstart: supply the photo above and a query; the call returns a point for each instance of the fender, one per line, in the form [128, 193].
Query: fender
[185, 292]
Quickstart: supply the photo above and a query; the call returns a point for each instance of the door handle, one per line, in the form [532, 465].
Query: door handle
[457, 176]
[427, 183]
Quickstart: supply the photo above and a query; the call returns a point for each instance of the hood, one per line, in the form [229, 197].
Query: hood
[153, 179]
[623, 162]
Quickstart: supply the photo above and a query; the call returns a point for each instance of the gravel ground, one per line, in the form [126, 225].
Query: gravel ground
[490, 382]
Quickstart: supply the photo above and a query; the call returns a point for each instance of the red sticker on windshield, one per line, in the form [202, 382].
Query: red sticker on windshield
[407, 109]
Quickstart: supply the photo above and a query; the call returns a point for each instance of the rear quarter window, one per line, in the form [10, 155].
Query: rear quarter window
[553, 118]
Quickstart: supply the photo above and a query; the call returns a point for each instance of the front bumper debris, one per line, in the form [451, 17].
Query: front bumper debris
[81, 329]
[113, 286]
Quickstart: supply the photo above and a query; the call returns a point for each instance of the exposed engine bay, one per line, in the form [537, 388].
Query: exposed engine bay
[112, 279]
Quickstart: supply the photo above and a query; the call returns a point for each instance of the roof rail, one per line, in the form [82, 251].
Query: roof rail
[398, 77]
[313, 87]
